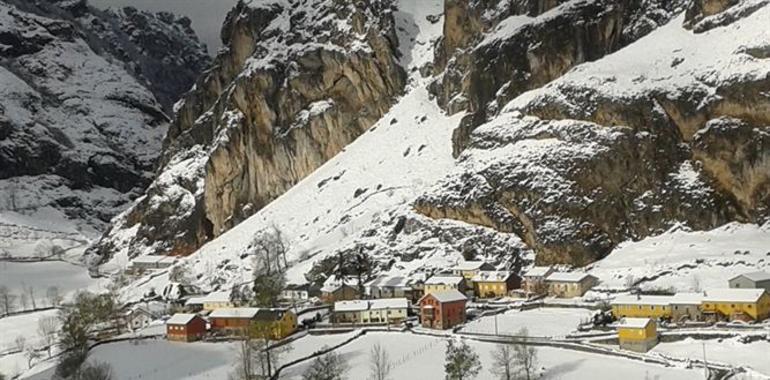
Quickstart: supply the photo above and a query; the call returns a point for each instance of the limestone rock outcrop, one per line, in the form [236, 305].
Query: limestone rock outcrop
[297, 82]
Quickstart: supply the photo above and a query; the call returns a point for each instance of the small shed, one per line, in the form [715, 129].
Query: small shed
[185, 328]
[637, 334]
[751, 280]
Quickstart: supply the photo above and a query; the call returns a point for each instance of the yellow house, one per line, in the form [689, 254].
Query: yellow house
[280, 322]
[444, 283]
[491, 284]
[736, 304]
[637, 334]
[469, 269]
[638, 306]
[217, 300]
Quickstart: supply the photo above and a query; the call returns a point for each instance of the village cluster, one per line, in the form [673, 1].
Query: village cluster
[442, 301]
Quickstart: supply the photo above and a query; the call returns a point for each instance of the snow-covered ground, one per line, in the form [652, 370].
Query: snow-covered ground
[25, 325]
[422, 357]
[687, 260]
[754, 355]
[68, 278]
[544, 322]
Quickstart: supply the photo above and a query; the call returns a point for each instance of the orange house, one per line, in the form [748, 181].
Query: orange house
[185, 328]
[442, 309]
[232, 320]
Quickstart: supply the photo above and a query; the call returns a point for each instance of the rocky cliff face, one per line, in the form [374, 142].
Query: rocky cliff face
[79, 133]
[297, 82]
[655, 134]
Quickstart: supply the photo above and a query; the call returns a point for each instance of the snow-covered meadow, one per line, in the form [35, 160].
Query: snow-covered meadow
[544, 322]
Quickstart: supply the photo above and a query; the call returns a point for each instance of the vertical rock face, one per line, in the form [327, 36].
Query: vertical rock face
[620, 148]
[297, 82]
[80, 131]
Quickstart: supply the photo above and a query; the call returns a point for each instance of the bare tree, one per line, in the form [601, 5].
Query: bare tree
[270, 247]
[30, 291]
[6, 300]
[31, 354]
[504, 362]
[326, 367]
[46, 328]
[379, 364]
[53, 296]
[20, 342]
[525, 356]
[23, 300]
[245, 365]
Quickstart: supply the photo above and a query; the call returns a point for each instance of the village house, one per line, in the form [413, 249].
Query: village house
[335, 289]
[151, 262]
[639, 306]
[441, 283]
[139, 317]
[386, 310]
[299, 293]
[736, 304]
[752, 280]
[233, 321]
[637, 334]
[533, 280]
[194, 304]
[686, 307]
[569, 284]
[280, 322]
[217, 300]
[491, 284]
[389, 287]
[469, 269]
[185, 327]
[442, 309]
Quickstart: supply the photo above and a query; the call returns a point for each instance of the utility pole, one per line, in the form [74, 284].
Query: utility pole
[496, 324]
[705, 363]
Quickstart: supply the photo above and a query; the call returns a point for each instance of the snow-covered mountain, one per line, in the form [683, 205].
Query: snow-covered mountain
[421, 132]
[83, 95]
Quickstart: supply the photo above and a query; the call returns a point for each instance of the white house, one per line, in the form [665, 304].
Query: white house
[385, 310]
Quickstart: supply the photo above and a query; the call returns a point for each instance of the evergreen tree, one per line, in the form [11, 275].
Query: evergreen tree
[462, 363]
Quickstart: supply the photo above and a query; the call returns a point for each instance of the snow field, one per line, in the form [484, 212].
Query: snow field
[544, 322]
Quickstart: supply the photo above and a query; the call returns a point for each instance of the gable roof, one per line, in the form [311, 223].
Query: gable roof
[332, 283]
[538, 272]
[452, 295]
[568, 276]
[492, 276]
[269, 314]
[444, 280]
[632, 299]
[221, 296]
[470, 265]
[633, 323]
[687, 299]
[389, 281]
[181, 319]
[757, 276]
[235, 312]
[733, 295]
[376, 304]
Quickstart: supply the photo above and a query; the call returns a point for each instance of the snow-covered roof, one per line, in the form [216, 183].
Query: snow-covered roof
[631, 299]
[754, 276]
[446, 296]
[333, 283]
[146, 259]
[567, 276]
[538, 272]
[444, 280]
[235, 312]
[389, 281]
[378, 304]
[633, 323]
[180, 319]
[223, 296]
[492, 276]
[195, 301]
[687, 299]
[733, 295]
[469, 265]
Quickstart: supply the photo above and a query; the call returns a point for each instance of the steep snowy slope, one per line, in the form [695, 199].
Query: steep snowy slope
[617, 149]
[79, 133]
